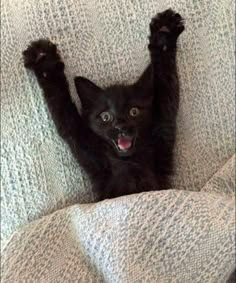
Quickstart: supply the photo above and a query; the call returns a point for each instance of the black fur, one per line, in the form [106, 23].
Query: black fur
[148, 163]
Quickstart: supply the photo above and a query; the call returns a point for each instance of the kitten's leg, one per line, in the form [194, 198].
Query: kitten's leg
[165, 29]
[43, 59]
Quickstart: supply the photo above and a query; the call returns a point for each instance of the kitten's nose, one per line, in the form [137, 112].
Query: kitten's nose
[123, 130]
[120, 127]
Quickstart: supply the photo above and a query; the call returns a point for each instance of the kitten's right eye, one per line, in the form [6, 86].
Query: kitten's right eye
[106, 117]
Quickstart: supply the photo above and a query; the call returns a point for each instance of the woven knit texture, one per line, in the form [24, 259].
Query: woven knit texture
[175, 236]
[182, 235]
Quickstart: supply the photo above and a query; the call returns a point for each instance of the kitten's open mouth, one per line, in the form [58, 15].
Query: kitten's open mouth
[124, 145]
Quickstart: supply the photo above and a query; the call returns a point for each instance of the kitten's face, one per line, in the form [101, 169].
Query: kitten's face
[120, 115]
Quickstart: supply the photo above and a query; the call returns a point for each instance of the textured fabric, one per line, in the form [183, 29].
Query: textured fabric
[175, 236]
[106, 41]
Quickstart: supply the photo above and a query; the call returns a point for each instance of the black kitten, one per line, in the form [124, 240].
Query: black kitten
[125, 136]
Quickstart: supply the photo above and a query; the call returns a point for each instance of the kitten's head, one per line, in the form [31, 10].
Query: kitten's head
[119, 115]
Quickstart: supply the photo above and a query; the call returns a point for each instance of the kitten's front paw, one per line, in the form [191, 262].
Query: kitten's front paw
[42, 55]
[165, 28]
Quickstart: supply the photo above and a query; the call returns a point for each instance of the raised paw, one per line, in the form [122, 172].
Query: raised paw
[165, 28]
[42, 55]
[168, 21]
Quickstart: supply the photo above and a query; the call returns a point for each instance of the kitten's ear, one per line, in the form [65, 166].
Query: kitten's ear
[87, 91]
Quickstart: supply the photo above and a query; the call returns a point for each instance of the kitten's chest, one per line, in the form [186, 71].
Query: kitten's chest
[134, 175]
[140, 162]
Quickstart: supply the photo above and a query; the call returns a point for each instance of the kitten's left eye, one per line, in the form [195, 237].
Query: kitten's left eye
[106, 117]
[134, 112]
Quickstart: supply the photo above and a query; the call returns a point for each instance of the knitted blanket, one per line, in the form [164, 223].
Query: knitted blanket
[51, 230]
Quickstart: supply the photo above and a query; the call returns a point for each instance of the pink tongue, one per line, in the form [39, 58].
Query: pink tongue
[124, 143]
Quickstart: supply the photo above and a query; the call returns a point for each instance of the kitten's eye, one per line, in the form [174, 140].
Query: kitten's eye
[134, 112]
[106, 117]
